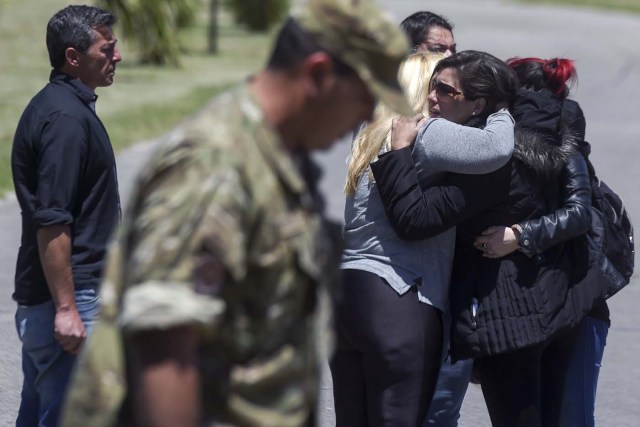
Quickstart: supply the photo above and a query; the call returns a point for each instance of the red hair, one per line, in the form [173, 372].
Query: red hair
[555, 73]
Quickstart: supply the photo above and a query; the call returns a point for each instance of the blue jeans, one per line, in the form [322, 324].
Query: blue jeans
[450, 391]
[451, 387]
[45, 365]
[579, 400]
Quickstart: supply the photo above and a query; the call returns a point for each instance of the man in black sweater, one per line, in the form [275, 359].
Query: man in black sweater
[65, 180]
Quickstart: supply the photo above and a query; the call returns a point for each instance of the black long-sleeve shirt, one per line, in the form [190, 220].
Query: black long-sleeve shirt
[64, 173]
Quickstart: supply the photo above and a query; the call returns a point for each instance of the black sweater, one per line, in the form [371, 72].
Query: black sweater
[64, 173]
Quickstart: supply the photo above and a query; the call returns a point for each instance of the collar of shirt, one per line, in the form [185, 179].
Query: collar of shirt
[87, 95]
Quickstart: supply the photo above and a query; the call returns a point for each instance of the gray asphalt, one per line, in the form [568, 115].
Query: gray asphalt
[608, 62]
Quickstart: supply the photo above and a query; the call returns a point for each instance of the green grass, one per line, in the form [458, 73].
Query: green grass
[146, 121]
[622, 5]
[144, 101]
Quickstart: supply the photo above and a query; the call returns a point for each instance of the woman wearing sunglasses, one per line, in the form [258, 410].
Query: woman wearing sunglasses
[514, 311]
[388, 320]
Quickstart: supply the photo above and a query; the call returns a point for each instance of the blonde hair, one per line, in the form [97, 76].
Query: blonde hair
[414, 76]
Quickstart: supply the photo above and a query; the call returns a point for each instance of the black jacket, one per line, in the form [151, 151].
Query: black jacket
[499, 305]
[544, 109]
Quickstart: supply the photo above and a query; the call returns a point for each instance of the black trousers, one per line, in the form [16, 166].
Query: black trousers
[525, 388]
[388, 354]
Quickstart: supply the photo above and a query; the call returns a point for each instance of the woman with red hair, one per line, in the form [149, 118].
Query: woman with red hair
[544, 87]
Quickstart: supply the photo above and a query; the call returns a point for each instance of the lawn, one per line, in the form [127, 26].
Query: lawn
[623, 5]
[144, 101]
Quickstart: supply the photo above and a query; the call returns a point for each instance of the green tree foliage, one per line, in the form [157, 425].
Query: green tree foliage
[153, 25]
[258, 15]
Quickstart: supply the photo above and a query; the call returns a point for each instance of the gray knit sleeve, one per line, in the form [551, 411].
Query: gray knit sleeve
[443, 146]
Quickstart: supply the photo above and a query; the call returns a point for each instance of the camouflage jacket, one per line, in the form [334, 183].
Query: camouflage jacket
[222, 231]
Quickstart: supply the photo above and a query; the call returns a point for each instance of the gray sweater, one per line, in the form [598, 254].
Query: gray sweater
[372, 245]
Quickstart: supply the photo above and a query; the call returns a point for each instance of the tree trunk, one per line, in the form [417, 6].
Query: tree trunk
[213, 26]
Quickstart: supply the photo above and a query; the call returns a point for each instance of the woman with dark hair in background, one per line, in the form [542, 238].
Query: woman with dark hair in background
[544, 103]
[513, 314]
[388, 319]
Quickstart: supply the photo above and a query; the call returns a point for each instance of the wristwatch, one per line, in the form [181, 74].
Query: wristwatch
[517, 229]
[525, 245]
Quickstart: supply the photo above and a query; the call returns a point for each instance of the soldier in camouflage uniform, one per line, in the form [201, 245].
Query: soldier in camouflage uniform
[215, 283]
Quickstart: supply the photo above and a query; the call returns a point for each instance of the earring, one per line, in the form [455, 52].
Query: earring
[473, 113]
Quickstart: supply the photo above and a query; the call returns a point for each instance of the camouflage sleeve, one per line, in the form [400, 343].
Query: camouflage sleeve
[185, 241]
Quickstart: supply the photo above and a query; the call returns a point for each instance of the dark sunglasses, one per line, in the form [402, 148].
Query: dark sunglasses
[443, 90]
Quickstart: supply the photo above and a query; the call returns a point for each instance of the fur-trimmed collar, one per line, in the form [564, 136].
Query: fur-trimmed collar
[543, 150]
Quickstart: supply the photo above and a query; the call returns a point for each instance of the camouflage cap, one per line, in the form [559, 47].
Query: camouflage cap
[359, 34]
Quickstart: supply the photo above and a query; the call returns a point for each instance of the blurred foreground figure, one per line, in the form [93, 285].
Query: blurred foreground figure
[215, 300]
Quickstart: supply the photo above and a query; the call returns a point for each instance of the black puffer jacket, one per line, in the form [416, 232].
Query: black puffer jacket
[498, 305]
[544, 109]
[523, 299]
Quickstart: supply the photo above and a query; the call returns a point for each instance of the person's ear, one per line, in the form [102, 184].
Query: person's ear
[478, 106]
[317, 69]
[72, 56]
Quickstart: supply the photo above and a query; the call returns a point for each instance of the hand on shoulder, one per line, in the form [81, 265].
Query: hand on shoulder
[405, 129]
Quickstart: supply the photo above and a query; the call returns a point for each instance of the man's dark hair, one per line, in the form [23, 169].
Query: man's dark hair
[73, 27]
[482, 75]
[417, 26]
[293, 45]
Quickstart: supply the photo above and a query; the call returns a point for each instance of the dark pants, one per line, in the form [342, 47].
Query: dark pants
[525, 388]
[388, 354]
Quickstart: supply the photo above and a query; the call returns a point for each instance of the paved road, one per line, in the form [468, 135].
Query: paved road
[608, 62]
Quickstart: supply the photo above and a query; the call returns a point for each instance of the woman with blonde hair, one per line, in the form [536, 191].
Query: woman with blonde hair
[388, 319]
[414, 76]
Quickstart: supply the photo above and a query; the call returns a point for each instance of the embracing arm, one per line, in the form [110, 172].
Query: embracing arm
[571, 220]
[446, 146]
[415, 213]
[535, 236]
